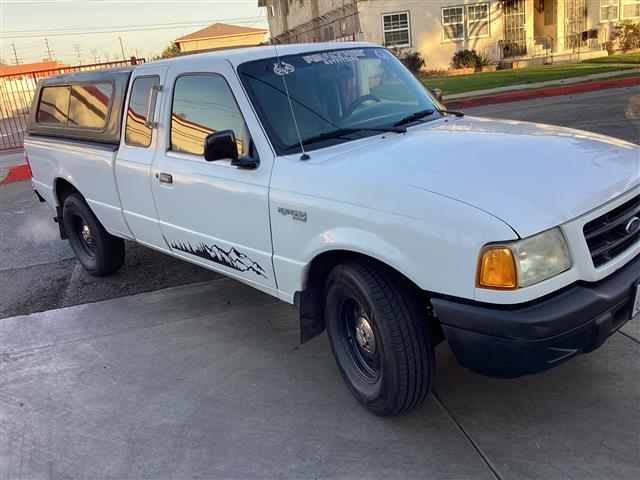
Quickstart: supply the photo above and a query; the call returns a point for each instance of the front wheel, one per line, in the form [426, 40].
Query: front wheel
[99, 252]
[379, 337]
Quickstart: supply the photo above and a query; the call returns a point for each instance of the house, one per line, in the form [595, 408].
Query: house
[221, 35]
[511, 31]
[32, 68]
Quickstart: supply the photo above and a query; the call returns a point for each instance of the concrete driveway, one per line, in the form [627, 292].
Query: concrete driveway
[207, 380]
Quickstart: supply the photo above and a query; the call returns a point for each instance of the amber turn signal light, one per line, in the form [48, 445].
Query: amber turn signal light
[497, 269]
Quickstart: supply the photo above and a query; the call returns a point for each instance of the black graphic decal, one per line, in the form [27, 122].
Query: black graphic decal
[232, 259]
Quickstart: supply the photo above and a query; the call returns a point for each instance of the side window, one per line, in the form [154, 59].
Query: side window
[89, 105]
[54, 105]
[137, 134]
[203, 104]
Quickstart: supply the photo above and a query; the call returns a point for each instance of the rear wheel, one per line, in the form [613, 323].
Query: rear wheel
[99, 252]
[379, 337]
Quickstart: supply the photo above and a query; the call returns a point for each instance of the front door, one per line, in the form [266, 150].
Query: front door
[515, 28]
[213, 213]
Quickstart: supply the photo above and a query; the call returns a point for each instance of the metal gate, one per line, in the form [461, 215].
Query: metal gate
[575, 22]
[515, 28]
[16, 94]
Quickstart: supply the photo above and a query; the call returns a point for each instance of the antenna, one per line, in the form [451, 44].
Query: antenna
[305, 155]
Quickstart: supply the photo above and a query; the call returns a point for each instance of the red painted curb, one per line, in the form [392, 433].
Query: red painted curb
[542, 92]
[17, 173]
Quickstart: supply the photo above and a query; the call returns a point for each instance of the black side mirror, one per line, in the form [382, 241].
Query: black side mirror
[220, 146]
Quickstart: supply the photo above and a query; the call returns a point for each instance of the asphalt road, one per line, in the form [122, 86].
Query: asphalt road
[207, 379]
[614, 112]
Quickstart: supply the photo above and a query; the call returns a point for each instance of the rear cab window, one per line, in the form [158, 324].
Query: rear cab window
[137, 133]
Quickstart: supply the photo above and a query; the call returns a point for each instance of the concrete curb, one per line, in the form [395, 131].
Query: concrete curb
[542, 92]
[17, 173]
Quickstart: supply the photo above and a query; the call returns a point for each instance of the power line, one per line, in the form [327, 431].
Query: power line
[162, 24]
[103, 30]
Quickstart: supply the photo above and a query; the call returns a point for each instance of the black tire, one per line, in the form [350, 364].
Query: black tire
[389, 373]
[99, 252]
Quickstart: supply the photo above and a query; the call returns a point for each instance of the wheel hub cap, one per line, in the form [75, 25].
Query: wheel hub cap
[364, 336]
[86, 234]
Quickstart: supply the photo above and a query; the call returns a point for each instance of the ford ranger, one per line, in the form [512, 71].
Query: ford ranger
[327, 176]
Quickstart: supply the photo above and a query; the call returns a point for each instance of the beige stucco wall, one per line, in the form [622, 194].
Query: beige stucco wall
[222, 42]
[297, 13]
[426, 28]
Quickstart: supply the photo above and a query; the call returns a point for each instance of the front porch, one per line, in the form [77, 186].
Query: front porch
[549, 31]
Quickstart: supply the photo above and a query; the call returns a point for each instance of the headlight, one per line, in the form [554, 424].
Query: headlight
[525, 262]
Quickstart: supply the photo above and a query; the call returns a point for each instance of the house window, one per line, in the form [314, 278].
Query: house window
[478, 20]
[395, 29]
[630, 8]
[271, 10]
[453, 23]
[608, 10]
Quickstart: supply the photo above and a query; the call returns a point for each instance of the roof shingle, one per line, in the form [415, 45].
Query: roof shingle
[220, 30]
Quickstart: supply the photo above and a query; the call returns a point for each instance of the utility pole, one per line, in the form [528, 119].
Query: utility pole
[48, 49]
[94, 54]
[15, 55]
[122, 49]
[78, 50]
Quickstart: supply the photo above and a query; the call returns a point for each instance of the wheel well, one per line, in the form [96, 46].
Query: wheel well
[310, 301]
[63, 189]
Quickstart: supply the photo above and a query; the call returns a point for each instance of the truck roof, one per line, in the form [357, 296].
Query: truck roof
[88, 76]
[240, 55]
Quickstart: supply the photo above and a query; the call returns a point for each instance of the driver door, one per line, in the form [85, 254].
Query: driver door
[212, 213]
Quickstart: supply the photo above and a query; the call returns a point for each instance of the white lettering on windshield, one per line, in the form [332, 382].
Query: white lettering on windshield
[332, 58]
[283, 68]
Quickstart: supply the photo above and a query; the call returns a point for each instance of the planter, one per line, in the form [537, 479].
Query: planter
[467, 71]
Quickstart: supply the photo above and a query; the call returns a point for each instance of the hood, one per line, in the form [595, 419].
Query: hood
[531, 176]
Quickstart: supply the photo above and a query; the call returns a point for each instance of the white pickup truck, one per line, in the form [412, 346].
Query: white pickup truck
[326, 175]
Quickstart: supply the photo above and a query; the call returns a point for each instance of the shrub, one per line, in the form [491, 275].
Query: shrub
[412, 60]
[469, 59]
[627, 35]
[464, 59]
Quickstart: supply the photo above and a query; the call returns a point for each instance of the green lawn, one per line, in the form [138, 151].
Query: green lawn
[620, 58]
[537, 73]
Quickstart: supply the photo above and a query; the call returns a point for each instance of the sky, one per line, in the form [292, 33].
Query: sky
[93, 26]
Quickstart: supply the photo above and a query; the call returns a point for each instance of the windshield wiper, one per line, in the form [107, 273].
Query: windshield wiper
[452, 112]
[340, 132]
[414, 116]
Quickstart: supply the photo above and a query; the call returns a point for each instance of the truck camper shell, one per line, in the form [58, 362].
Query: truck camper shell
[81, 105]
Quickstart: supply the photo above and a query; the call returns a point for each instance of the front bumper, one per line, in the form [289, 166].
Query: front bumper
[514, 340]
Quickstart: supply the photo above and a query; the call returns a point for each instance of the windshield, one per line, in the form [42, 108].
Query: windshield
[333, 90]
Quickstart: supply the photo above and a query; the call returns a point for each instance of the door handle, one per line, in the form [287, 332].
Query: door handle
[165, 178]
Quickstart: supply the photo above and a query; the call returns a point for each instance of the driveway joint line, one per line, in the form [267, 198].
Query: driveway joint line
[467, 435]
[633, 339]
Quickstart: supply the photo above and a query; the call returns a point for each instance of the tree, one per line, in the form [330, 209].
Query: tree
[171, 51]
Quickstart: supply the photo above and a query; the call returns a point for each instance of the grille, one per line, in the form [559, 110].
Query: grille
[606, 235]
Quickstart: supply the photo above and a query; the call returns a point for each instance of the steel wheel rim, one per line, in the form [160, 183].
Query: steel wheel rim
[361, 345]
[86, 239]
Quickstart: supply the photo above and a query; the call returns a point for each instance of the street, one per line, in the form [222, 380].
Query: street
[166, 370]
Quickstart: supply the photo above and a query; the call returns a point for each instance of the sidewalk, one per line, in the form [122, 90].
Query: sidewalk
[208, 380]
[533, 86]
